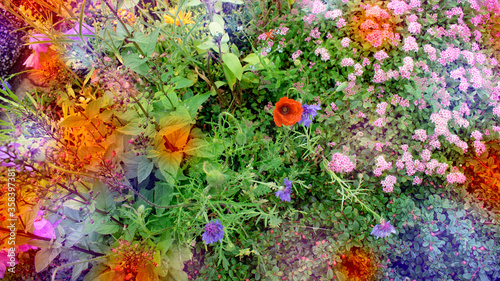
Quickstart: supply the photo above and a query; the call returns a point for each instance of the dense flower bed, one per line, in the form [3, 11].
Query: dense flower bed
[307, 140]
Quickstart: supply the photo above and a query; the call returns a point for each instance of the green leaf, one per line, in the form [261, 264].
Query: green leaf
[164, 245]
[216, 29]
[163, 195]
[144, 169]
[44, 257]
[252, 59]
[347, 210]
[233, 64]
[181, 82]
[132, 128]
[134, 62]
[93, 108]
[146, 43]
[108, 228]
[219, 84]
[231, 79]
[74, 121]
[341, 87]
[194, 102]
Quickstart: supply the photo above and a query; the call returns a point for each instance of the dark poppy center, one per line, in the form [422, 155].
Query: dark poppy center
[284, 109]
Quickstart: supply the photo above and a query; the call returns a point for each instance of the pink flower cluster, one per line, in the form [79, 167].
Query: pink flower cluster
[323, 52]
[318, 7]
[414, 27]
[431, 51]
[315, 33]
[381, 107]
[479, 147]
[296, 54]
[347, 62]
[341, 23]
[456, 177]
[420, 135]
[388, 183]
[333, 14]
[345, 42]
[376, 12]
[381, 165]
[398, 7]
[380, 122]
[380, 55]
[457, 73]
[410, 44]
[341, 163]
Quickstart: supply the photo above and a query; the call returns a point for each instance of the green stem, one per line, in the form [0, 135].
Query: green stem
[71, 264]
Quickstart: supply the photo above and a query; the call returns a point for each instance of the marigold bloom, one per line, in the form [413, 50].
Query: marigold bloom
[181, 17]
[287, 112]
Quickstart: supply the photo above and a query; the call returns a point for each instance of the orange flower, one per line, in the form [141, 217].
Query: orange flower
[287, 112]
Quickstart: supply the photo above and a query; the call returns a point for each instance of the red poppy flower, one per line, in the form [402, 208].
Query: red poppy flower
[287, 112]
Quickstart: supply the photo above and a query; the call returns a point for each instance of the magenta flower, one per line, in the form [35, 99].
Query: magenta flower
[5, 262]
[8, 156]
[34, 59]
[43, 227]
[383, 229]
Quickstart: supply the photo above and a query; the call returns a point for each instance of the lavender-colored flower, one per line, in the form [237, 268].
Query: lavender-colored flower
[284, 194]
[86, 31]
[8, 156]
[308, 114]
[213, 232]
[383, 229]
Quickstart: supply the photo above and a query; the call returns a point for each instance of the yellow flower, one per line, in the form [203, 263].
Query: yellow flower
[182, 17]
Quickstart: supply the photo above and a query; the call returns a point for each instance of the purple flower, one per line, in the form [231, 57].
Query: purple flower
[9, 154]
[383, 229]
[308, 114]
[284, 195]
[86, 30]
[213, 232]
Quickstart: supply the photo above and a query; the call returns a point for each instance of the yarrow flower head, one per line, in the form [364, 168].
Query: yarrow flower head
[285, 194]
[383, 229]
[213, 232]
[308, 114]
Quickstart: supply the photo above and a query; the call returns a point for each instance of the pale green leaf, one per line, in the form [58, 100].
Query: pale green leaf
[233, 64]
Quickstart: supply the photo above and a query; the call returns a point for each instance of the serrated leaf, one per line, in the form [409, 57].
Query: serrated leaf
[73, 121]
[93, 108]
[233, 64]
[44, 257]
[108, 228]
[131, 128]
[144, 169]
